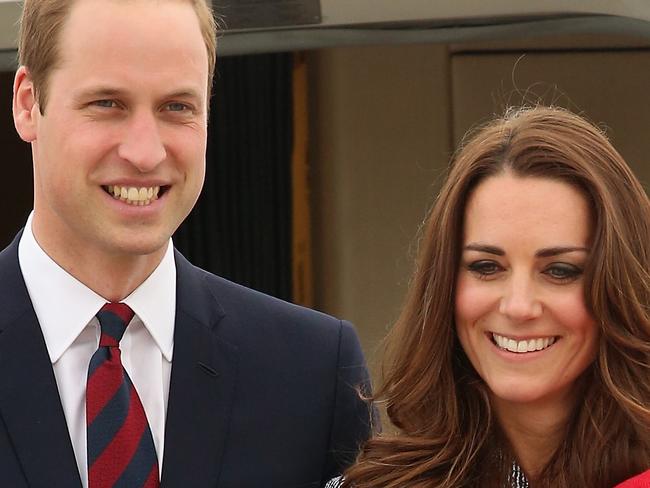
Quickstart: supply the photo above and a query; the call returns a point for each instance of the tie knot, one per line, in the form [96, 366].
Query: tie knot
[113, 319]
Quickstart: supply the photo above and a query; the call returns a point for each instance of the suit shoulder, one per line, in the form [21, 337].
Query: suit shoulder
[259, 323]
[241, 300]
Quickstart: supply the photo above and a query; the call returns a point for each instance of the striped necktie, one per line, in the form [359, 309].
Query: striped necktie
[121, 452]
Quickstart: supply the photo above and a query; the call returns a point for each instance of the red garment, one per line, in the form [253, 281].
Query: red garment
[639, 481]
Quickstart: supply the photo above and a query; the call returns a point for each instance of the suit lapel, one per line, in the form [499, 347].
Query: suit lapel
[29, 399]
[204, 369]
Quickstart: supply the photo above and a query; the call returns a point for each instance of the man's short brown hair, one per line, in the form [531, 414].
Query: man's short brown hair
[40, 28]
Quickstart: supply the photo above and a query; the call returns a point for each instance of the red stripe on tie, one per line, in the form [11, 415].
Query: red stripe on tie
[152, 479]
[122, 310]
[107, 341]
[103, 385]
[111, 463]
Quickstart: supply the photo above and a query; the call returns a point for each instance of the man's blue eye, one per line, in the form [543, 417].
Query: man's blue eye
[177, 107]
[105, 103]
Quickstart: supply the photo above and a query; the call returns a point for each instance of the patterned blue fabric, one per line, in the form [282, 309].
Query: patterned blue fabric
[334, 482]
[517, 479]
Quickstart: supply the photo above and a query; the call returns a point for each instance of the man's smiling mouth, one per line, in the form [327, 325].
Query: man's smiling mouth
[138, 196]
[523, 346]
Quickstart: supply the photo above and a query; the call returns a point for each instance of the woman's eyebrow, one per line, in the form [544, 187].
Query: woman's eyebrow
[484, 248]
[554, 251]
[542, 253]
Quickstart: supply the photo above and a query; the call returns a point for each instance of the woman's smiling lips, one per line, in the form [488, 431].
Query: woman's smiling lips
[522, 345]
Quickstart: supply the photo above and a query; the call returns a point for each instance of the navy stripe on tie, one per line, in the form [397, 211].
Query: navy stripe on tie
[100, 357]
[108, 422]
[141, 464]
[112, 325]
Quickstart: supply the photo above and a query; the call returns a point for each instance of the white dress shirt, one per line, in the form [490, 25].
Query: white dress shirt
[66, 310]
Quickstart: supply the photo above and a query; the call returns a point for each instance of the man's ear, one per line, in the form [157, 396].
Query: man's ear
[25, 105]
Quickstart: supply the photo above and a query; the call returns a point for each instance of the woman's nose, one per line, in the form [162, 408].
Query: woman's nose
[520, 301]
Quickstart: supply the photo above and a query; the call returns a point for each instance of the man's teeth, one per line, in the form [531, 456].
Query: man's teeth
[133, 195]
[529, 345]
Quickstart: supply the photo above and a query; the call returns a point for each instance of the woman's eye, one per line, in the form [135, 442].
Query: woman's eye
[484, 268]
[562, 271]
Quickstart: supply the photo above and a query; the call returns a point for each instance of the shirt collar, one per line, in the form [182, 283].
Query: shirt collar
[64, 306]
[154, 301]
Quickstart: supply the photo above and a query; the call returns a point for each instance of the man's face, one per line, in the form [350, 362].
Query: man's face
[119, 154]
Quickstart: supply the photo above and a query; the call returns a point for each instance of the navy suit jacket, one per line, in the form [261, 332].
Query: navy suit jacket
[263, 393]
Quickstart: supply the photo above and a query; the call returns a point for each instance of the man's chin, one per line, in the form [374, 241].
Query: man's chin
[145, 246]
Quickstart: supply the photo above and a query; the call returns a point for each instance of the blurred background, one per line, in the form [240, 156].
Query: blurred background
[333, 122]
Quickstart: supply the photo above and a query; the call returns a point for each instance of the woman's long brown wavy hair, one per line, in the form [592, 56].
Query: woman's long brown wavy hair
[447, 434]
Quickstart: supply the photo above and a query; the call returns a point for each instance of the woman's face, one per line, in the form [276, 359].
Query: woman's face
[520, 311]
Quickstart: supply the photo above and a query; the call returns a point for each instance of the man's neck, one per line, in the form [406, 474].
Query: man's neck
[111, 275]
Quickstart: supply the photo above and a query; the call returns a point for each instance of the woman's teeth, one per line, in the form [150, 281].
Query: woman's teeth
[134, 196]
[529, 345]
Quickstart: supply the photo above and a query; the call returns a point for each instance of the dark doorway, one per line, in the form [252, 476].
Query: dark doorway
[18, 193]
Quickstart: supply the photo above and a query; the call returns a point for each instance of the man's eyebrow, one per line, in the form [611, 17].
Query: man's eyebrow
[555, 251]
[189, 93]
[108, 92]
[484, 248]
[99, 92]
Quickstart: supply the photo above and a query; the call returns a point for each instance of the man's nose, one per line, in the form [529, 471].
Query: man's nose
[520, 300]
[142, 144]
